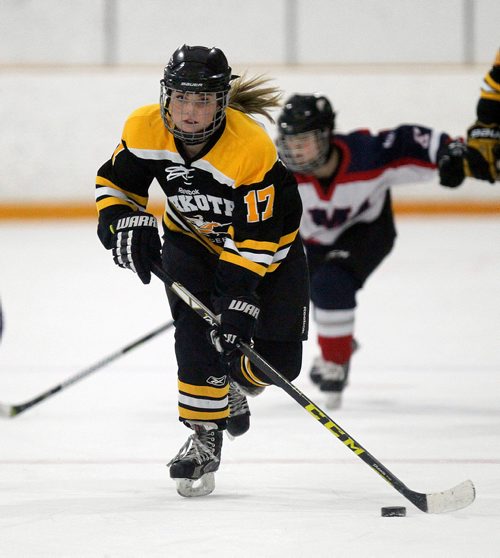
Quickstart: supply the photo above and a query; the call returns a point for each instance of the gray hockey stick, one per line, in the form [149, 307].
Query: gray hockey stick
[452, 499]
[14, 410]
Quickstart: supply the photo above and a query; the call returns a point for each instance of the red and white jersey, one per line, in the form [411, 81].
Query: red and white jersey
[369, 166]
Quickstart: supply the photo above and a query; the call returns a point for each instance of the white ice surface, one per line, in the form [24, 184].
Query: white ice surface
[83, 473]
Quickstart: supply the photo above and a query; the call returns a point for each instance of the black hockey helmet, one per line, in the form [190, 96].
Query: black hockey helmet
[302, 117]
[196, 69]
[304, 113]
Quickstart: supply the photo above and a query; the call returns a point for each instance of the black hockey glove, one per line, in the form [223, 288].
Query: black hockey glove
[136, 243]
[451, 159]
[238, 319]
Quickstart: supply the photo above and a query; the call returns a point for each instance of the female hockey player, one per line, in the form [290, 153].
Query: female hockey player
[347, 224]
[230, 237]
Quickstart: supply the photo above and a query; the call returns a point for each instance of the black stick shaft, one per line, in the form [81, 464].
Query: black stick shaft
[204, 312]
[21, 407]
[418, 499]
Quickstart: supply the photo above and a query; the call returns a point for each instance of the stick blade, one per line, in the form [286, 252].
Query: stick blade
[7, 411]
[454, 499]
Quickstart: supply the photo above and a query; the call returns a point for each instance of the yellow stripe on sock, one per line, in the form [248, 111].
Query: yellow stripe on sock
[203, 391]
[202, 415]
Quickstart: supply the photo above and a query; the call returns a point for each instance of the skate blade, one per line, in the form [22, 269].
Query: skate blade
[333, 400]
[191, 488]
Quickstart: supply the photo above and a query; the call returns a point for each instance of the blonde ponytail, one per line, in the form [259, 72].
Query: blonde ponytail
[255, 96]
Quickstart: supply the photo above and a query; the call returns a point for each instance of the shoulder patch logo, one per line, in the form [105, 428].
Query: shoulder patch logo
[178, 172]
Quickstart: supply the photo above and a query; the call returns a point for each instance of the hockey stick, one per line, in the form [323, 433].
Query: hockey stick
[14, 410]
[453, 499]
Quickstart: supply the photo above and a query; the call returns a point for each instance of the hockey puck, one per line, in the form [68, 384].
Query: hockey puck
[394, 511]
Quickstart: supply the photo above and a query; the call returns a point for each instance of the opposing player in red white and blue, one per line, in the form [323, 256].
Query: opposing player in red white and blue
[347, 222]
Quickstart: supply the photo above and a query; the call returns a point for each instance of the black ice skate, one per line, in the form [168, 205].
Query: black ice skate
[318, 364]
[315, 372]
[333, 381]
[194, 466]
[239, 412]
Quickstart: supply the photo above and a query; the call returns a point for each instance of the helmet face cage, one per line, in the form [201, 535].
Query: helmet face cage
[194, 79]
[201, 99]
[305, 126]
[306, 151]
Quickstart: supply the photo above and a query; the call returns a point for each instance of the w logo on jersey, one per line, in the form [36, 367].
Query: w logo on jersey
[178, 172]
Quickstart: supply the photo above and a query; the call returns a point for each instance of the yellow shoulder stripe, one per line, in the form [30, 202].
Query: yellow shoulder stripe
[491, 96]
[242, 138]
[107, 202]
[144, 129]
[100, 181]
[492, 83]
[141, 200]
[118, 149]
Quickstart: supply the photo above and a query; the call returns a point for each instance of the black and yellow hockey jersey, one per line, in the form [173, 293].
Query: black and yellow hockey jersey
[488, 107]
[236, 197]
